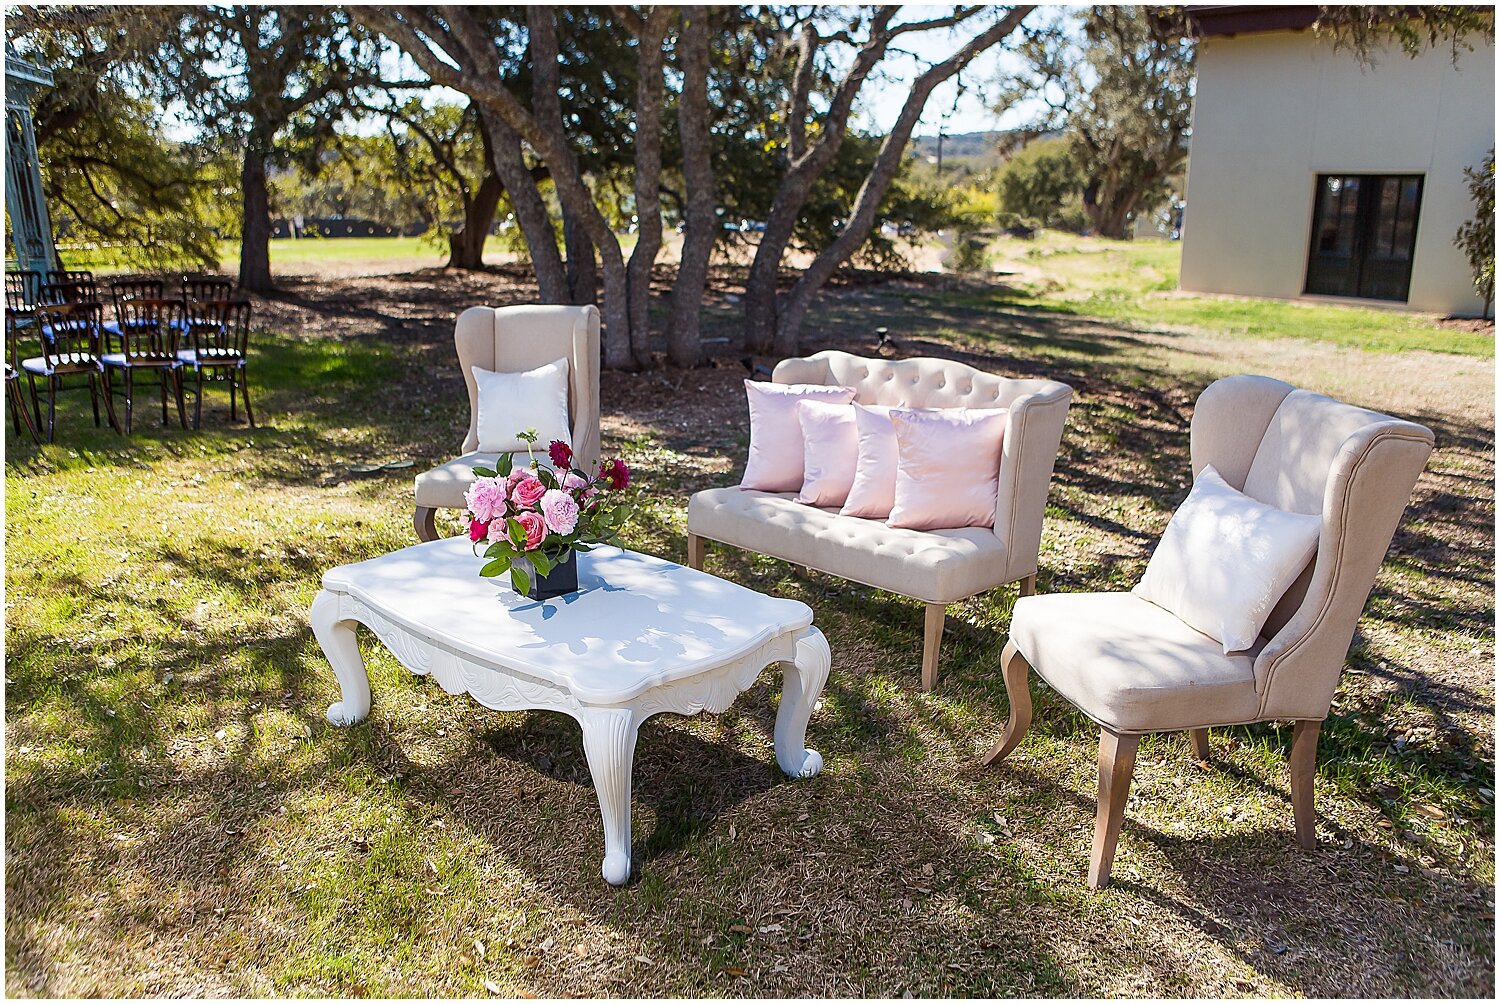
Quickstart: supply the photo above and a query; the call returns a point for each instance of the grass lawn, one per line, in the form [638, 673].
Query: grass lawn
[180, 818]
[1135, 283]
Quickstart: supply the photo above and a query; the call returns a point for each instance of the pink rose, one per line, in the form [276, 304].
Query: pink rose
[516, 477]
[572, 480]
[528, 493]
[559, 511]
[478, 529]
[535, 527]
[499, 529]
[486, 499]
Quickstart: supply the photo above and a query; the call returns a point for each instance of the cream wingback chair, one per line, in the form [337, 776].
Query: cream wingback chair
[1135, 668]
[936, 566]
[511, 340]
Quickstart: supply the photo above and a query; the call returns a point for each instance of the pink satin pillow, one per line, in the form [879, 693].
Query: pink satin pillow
[874, 489]
[948, 470]
[830, 445]
[775, 462]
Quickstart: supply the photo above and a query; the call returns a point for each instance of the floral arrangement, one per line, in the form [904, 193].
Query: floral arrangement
[535, 517]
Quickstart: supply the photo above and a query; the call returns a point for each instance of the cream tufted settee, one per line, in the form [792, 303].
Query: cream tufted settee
[937, 567]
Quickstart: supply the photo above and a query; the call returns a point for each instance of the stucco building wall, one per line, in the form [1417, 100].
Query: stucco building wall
[1276, 109]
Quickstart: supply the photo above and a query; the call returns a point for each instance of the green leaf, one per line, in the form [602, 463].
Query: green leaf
[520, 580]
[504, 466]
[581, 546]
[495, 567]
[541, 563]
[517, 534]
[500, 549]
[484, 472]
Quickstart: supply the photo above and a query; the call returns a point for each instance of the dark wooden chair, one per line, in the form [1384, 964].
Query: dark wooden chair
[59, 275]
[19, 412]
[23, 291]
[218, 346]
[149, 331]
[197, 289]
[72, 348]
[70, 291]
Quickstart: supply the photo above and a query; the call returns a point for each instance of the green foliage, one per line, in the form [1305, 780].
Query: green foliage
[1039, 181]
[114, 183]
[1119, 85]
[1476, 238]
[1365, 29]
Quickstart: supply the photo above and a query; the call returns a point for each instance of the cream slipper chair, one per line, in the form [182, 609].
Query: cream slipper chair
[511, 340]
[937, 567]
[1135, 668]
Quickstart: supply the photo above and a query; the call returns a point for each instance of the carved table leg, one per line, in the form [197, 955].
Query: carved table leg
[342, 649]
[802, 683]
[609, 743]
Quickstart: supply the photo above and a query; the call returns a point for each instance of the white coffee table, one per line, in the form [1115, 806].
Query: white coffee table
[641, 636]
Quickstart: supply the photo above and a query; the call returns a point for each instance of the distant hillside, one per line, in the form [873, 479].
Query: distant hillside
[981, 145]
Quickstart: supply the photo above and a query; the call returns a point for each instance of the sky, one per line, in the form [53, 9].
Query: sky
[961, 105]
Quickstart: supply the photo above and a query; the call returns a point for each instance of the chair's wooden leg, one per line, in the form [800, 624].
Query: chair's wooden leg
[36, 402]
[424, 521]
[52, 385]
[1200, 744]
[932, 643]
[231, 400]
[695, 551]
[94, 399]
[129, 400]
[1116, 765]
[1304, 764]
[1027, 585]
[245, 390]
[198, 405]
[1014, 668]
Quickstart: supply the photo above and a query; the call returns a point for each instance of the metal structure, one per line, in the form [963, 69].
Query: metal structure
[25, 204]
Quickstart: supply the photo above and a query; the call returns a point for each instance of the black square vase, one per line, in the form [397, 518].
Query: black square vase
[560, 582]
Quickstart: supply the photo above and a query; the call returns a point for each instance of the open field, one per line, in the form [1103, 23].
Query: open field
[180, 819]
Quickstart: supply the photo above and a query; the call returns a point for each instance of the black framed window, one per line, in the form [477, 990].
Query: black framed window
[1364, 229]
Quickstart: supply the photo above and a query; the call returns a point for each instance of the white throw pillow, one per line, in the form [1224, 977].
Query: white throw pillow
[514, 402]
[1225, 561]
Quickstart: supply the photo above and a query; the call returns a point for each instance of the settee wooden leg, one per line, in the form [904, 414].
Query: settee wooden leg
[1027, 585]
[424, 521]
[1304, 764]
[1116, 766]
[1015, 669]
[695, 551]
[1200, 744]
[932, 642]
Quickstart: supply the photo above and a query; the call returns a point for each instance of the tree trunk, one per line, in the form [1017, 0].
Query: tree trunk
[616, 310]
[255, 226]
[647, 188]
[700, 231]
[583, 270]
[887, 163]
[531, 211]
[760, 282]
[466, 248]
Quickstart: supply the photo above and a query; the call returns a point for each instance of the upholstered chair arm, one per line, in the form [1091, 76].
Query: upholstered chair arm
[1033, 431]
[584, 391]
[1229, 421]
[1368, 487]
